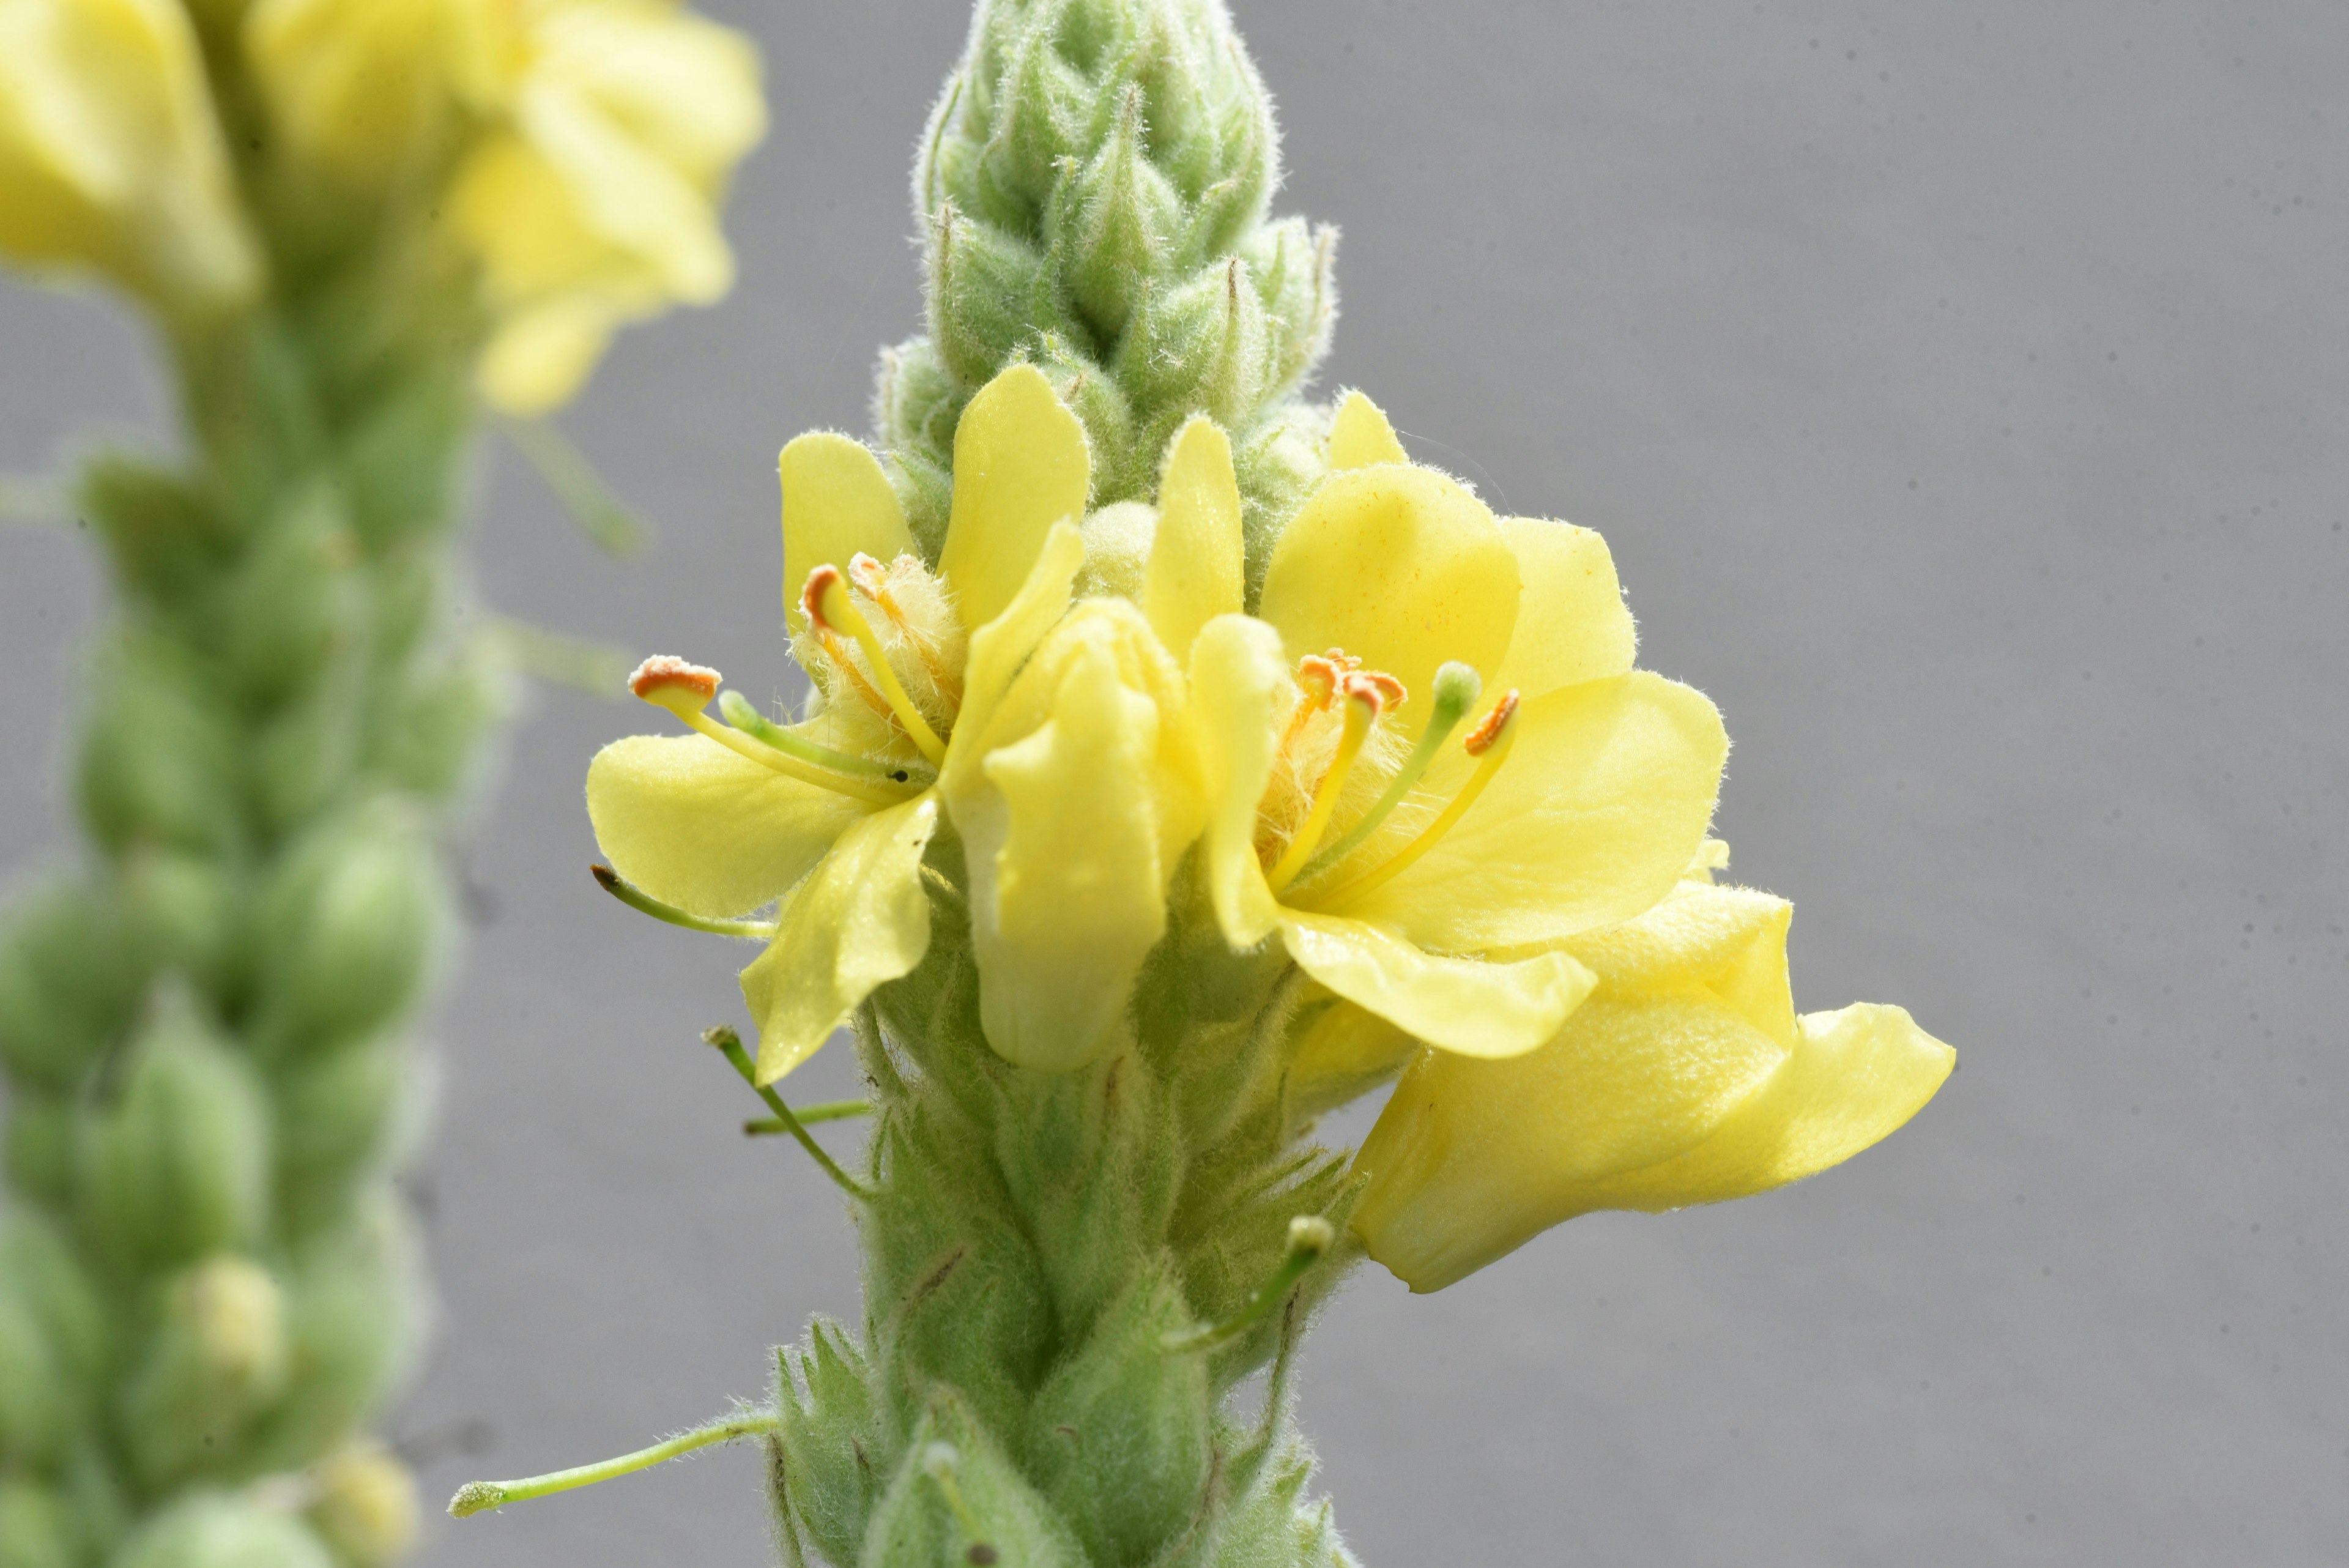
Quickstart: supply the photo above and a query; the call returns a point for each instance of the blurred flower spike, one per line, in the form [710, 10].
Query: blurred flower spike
[593, 142]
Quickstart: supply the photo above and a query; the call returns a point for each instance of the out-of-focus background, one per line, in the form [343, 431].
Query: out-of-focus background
[1965, 393]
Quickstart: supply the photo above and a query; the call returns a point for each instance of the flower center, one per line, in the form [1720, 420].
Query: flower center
[1327, 680]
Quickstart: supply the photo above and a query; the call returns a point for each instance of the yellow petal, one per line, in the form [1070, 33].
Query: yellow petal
[1240, 687]
[1600, 808]
[862, 920]
[1731, 940]
[1343, 1054]
[1466, 1005]
[696, 826]
[1404, 569]
[1020, 467]
[539, 356]
[622, 193]
[1572, 624]
[1072, 831]
[999, 648]
[837, 502]
[1855, 1079]
[1360, 435]
[1195, 571]
[1471, 1159]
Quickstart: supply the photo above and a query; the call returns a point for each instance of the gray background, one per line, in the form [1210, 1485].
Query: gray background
[1961, 389]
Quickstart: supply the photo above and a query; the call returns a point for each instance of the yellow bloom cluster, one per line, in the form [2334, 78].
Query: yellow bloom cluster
[110, 157]
[574, 151]
[1424, 765]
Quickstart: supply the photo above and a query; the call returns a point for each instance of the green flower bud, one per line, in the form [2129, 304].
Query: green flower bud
[218, 1352]
[335, 1118]
[1205, 345]
[38, 1406]
[989, 295]
[429, 744]
[157, 765]
[306, 753]
[829, 1439]
[40, 1147]
[40, 1271]
[163, 538]
[352, 1309]
[36, 1527]
[957, 1498]
[1119, 1437]
[366, 1512]
[71, 970]
[215, 1531]
[406, 460]
[1126, 224]
[348, 926]
[176, 1162]
[188, 911]
[293, 599]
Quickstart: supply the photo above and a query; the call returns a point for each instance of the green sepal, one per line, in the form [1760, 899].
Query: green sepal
[1121, 1435]
[830, 1440]
[164, 537]
[916, 1525]
[174, 1161]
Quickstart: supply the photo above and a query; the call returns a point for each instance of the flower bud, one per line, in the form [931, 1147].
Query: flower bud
[367, 1511]
[71, 970]
[177, 1164]
[827, 1410]
[292, 598]
[156, 762]
[958, 1499]
[989, 295]
[37, 1143]
[214, 1530]
[1073, 822]
[349, 925]
[352, 1309]
[109, 157]
[186, 909]
[36, 1405]
[217, 1354]
[1203, 347]
[1127, 218]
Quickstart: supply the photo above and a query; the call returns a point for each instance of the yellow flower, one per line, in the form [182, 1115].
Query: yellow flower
[1686, 1077]
[1417, 859]
[1057, 740]
[593, 140]
[110, 158]
[595, 203]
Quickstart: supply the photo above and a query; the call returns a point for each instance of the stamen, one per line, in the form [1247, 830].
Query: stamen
[825, 599]
[741, 713]
[1317, 679]
[1491, 741]
[1309, 1236]
[1456, 689]
[872, 581]
[478, 1497]
[1365, 700]
[685, 689]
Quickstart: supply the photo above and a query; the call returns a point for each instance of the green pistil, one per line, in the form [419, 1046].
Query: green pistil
[1458, 687]
[637, 899]
[742, 714]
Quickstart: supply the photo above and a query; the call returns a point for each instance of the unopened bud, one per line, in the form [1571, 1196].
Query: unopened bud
[367, 1511]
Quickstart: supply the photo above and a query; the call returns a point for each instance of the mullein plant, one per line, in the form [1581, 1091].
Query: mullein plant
[1181, 763]
[352, 223]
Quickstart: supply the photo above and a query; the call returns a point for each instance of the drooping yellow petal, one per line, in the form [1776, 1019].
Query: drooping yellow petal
[696, 826]
[1401, 567]
[1471, 1006]
[860, 921]
[1072, 824]
[1686, 1078]
[1240, 687]
[1572, 624]
[1195, 565]
[1360, 435]
[1019, 466]
[1343, 1054]
[837, 503]
[999, 648]
[1855, 1079]
[539, 356]
[1598, 811]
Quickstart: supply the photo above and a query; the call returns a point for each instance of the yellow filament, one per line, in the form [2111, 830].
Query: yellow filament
[786, 764]
[1379, 877]
[842, 612]
[1361, 712]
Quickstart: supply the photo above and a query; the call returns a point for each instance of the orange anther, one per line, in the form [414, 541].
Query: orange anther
[1480, 739]
[820, 582]
[665, 672]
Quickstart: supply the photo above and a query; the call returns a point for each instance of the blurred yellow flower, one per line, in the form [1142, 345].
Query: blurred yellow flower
[592, 141]
[1686, 1077]
[110, 159]
[1057, 741]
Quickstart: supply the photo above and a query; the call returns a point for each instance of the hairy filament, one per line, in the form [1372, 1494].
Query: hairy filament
[479, 1497]
[1492, 741]
[637, 899]
[1363, 702]
[1456, 689]
[825, 599]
